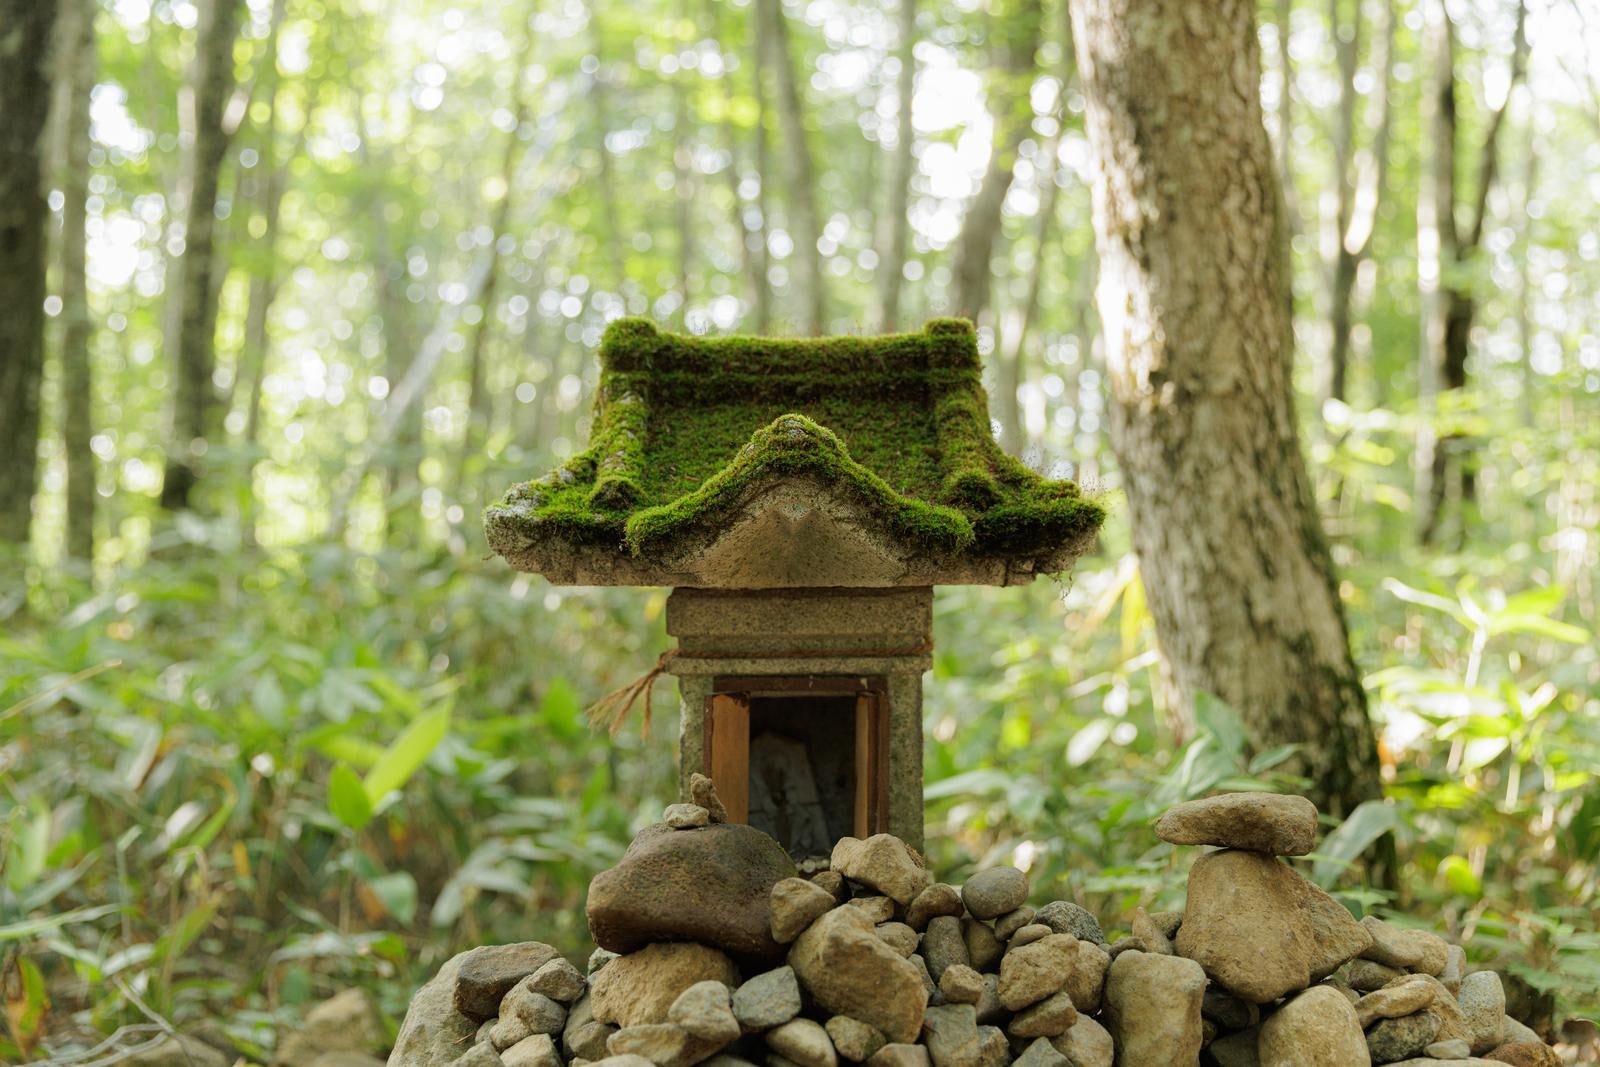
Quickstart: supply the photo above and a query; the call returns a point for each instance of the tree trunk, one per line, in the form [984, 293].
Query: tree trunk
[25, 30]
[1360, 195]
[1199, 351]
[1450, 304]
[600, 100]
[894, 230]
[1285, 117]
[194, 397]
[75, 74]
[804, 223]
[971, 274]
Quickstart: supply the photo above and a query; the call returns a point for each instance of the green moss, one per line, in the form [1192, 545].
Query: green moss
[684, 426]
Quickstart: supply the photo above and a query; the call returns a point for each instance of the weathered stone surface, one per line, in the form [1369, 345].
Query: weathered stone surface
[990, 1010]
[961, 984]
[1151, 936]
[993, 1048]
[434, 1032]
[885, 863]
[1318, 1028]
[345, 1022]
[541, 1014]
[853, 1039]
[1389, 1040]
[1449, 1050]
[485, 975]
[767, 1000]
[355, 1059]
[899, 1055]
[1526, 1054]
[663, 1044]
[686, 816]
[1401, 997]
[1012, 921]
[627, 1059]
[1041, 1054]
[558, 980]
[1153, 1009]
[1033, 972]
[638, 988]
[1517, 1033]
[1065, 917]
[1455, 968]
[1391, 946]
[795, 904]
[983, 948]
[584, 1037]
[1364, 976]
[943, 946]
[1086, 1044]
[846, 968]
[951, 1034]
[710, 885]
[509, 1029]
[1048, 1018]
[598, 959]
[704, 1010]
[536, 1051]
[990, 894]
[1278, 823]
[480, 1055]
[804, 1042]
[834, 883]
[1029, 934]
[899, 937]
[703, 791]
[1244, 924]
[1336, 937]
[878, 908]
[1483, 1005]
[937, 899]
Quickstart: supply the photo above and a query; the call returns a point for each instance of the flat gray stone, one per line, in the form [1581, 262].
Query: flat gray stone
[1276, 823]
[990, 894]
[767, 1000]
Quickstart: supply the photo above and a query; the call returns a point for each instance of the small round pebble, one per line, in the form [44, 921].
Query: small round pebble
[990, 894]
[686, 816]
[1455, 1049]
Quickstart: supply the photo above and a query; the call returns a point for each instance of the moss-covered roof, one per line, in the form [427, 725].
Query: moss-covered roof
[686, 428]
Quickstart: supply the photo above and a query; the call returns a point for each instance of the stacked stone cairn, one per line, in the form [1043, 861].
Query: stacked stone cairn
[717, 950]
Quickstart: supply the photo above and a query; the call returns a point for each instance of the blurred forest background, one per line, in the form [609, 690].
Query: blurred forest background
[327, 276]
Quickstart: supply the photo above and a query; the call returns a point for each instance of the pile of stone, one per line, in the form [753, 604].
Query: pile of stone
[715, 949]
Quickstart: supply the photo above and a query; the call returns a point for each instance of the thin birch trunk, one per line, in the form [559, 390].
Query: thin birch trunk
[804, 223]
[894, 230]
[75, 72]
[194, 397]
[972, 277]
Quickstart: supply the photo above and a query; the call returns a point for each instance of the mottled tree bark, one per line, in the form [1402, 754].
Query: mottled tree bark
[972, 277]
[804, 222]
[194, 397]
[25, 31]
[1194, 295]
[894, 229]
[75, 75]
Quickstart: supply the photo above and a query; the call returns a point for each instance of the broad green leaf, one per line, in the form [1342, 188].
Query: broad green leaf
[1370, 821]
[347, 798]
[398, 892]
[407, 753]
[560, 710]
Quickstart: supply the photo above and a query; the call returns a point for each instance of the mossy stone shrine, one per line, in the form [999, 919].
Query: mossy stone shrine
[802, 497]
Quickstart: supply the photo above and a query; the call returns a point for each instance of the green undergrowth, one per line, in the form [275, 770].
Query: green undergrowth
[684, 425]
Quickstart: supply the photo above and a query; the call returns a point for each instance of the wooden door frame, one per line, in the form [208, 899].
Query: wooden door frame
[730, 700]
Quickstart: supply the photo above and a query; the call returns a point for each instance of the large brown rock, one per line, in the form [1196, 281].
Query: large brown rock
[1245, 925]
[485, 975]
[1279, 823]
[1336, 937]
[849, 970]
[1153, 1009]
[1318, 1028]
[434, 1032]
[709, 885]
[885, 863]
[638, 989]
